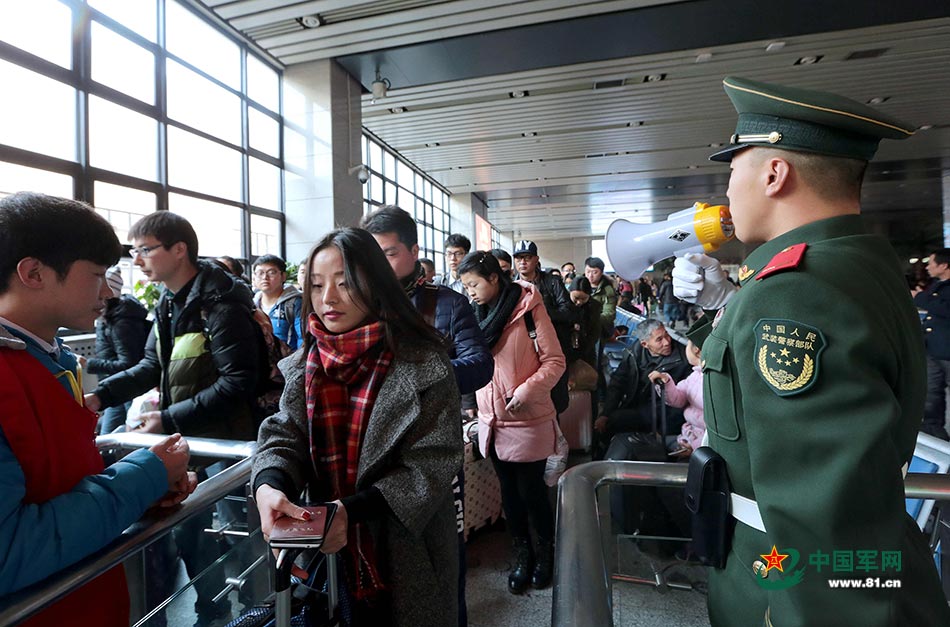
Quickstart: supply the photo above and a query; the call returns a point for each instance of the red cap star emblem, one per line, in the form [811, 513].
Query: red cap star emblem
[774, 560]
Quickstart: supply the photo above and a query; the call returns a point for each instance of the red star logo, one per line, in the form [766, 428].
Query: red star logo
[774, 560]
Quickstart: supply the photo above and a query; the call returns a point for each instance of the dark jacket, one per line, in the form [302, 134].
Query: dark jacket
[935, 299]
[454, 319]
[558, 304]
[630, 385]
[587, 331]
[120, 337]
[207, 372]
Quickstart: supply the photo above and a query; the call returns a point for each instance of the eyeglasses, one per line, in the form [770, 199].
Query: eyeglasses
[270, 274]
[454, 253]
[144, 251]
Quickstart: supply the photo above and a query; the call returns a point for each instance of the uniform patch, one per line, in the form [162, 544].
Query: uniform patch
[786, 354]
[745, 272]
[789, 259]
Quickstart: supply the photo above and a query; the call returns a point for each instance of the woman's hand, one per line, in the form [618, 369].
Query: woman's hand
[180, 490]
[335, 538]
[513, 405]
[273, 504]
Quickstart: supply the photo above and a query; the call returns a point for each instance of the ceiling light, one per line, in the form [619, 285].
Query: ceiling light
[809, 60]
[544, 195]
[774, 46]
[640, 123]
[692, 167]
[654, 78]
[517, 94]
[528, 134]
[715, 145]
[876, 100]
[702, 57]
[925, 127]
[432, 144]
[872, 53]
[617, 82]
[311, 21]
[397, 110]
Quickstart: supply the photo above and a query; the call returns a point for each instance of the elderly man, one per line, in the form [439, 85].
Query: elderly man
[628, 406]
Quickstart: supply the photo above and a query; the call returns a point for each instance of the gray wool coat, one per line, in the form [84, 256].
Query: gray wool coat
[411, 451]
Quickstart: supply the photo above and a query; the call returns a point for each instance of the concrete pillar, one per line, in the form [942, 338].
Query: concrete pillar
[461, 214]
[322, 133]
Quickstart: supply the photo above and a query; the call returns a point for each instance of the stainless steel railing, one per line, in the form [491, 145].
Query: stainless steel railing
[17, 607]
[582, 592]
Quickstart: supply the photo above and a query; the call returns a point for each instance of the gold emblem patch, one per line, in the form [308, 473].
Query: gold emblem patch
[745, 272]
[786, 354]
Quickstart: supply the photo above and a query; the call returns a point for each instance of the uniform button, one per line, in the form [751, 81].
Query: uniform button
[934, 294]
[928, 329]
[758, 568]
[928, 318]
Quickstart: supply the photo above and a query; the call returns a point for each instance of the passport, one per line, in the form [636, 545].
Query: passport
[303, 534]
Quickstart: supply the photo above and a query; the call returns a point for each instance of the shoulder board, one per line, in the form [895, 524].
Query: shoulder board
[788, 259]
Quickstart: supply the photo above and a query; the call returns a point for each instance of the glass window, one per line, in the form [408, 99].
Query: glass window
[41, 27]
[404, 174]
[375, 157]
[19, 178]
[265, 236]
[264, 184]
[218, 226]
[138, 15]
[263, 83]
[122, 206]
[189, 157]
[217, 55]
[376, 188]
[122, 140]
[122, 65]
[45, 122]
[201, 104]
[389, 165]
[263, 132]
[363, 145]
[390, 194]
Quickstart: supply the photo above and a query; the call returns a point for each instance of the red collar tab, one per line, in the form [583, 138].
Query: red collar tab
[788, 259]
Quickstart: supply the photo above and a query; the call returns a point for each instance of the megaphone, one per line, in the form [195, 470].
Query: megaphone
[632, 248]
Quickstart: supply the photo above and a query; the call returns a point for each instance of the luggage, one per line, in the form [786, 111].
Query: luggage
[576, 421]
[637, 508]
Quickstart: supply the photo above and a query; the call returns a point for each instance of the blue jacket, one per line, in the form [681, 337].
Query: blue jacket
[454, 319]
[935, 299]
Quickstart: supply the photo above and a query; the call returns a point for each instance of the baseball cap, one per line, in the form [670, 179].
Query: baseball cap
[525, 247]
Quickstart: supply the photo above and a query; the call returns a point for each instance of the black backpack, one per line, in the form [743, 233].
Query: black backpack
[560, 395]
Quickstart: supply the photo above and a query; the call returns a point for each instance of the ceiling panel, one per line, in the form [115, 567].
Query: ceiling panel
[571, 154]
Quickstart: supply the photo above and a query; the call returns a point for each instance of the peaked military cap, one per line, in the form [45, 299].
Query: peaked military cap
[805, 120]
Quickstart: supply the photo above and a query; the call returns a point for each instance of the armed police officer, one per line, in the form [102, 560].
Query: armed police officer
[814, 375]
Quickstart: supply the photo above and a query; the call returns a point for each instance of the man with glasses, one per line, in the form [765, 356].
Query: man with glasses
[281, 304]
[203, 354]
[456, 247]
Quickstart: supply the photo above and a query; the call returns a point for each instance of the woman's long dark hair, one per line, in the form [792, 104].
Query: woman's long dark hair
[371, 281]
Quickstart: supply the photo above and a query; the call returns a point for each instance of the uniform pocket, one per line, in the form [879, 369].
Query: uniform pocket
[719, 397]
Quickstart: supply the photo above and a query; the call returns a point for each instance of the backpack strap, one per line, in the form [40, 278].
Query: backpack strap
[532, 330]
[428, 301]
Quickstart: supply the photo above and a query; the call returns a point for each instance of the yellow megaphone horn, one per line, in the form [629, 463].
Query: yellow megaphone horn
[632, 248]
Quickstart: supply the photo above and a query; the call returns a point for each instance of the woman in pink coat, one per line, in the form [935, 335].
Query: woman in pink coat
[516, 417]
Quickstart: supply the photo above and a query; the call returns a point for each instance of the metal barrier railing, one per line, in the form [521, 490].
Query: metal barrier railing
[23, 604]
[582, 589]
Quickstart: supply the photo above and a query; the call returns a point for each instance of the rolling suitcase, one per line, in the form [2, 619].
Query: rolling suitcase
[630, 505]
[576, 421]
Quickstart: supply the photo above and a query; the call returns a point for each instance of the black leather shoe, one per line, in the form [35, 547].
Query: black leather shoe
[520, 573]
[543, 565]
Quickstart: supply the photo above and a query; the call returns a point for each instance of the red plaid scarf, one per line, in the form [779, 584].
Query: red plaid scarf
[343, 376]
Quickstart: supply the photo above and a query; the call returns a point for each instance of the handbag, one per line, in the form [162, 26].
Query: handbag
[707, 499]
[470, 432]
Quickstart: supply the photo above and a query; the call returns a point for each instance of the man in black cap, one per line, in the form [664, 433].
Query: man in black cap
[814, 376]
[557, 302]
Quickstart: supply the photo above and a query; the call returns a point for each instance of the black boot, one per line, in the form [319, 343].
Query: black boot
[543, 565]
[521, 571]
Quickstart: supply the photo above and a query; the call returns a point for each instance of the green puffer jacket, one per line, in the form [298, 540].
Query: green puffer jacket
[207, 373]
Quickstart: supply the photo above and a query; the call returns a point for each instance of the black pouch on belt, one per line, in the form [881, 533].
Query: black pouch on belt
[707, 499]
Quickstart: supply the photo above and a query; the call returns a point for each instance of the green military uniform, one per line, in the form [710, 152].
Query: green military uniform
[814, 384]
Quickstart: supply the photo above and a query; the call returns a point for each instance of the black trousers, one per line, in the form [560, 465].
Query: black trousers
[524, 496]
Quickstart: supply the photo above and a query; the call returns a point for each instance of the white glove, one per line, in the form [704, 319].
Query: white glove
[699, 279]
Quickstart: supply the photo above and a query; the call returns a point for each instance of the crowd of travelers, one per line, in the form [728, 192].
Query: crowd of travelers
[353, 371]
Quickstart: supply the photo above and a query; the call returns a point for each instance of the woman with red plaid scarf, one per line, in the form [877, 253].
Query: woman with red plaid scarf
[369, 420]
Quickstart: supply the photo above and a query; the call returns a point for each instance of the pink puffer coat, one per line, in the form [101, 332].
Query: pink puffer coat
[521, 372]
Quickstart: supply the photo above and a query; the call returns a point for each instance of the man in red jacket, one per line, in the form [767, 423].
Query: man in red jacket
[58, 503]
